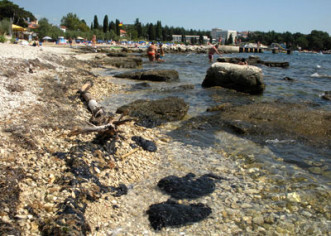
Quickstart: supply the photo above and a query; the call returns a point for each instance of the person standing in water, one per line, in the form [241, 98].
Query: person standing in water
[212, 51]
[151, 51]
[160, 53]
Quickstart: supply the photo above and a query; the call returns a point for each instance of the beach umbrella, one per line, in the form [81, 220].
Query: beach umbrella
[17, 28]
[47, 38]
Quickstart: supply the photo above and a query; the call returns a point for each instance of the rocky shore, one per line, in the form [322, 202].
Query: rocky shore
[53, 183]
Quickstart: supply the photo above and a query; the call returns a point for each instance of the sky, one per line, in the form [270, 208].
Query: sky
[242, 15]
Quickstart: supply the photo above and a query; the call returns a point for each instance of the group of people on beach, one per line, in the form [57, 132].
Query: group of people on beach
[157, 54]
[154, 53]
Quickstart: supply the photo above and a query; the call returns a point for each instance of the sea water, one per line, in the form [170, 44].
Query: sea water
[199, 151]
[310, 79]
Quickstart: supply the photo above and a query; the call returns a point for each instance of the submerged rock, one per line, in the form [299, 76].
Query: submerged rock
[122, 62]
[327, 95]
[247, 79]
[154, 113]
[170, 213]
[188, 186]
[253, 60]
[151, 75]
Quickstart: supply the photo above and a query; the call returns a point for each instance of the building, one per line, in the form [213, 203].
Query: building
[195, 39]
[219, 35]
[215, 34]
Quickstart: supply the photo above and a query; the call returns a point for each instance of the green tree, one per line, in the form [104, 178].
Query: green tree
[158, 31]
[230, 40]
[105, 24]
[72, 22]
[201, 39]
[183, 38]
[112, 27]
[95, 22]
[5, 26]
[118, 27]
[18, 15]
[318, 40]
[138, 28]
[151, 32]
[46, 29]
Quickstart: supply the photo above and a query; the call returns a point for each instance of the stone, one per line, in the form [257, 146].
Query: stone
[122, 62]
[259, 220]
[157, 112]
[188, 186]
[151, 75]
[327, 95]
[173, 214]
[242, 78]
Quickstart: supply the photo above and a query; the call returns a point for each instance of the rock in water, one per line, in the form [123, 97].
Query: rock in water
[151, 75]
[242, 78]
[170, 213]
[157, 112]
[188, 186]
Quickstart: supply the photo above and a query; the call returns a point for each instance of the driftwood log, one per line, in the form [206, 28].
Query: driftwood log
[101, 121]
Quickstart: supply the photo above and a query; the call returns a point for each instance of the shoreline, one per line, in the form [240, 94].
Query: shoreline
[39, 94]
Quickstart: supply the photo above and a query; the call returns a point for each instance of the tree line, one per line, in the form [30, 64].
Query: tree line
[316, 40]
[111, 30]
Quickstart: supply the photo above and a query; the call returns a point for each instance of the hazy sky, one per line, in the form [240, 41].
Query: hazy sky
[263, 15]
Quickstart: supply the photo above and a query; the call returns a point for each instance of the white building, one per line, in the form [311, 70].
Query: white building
[219, 35]
[215, 34]
[189, 38]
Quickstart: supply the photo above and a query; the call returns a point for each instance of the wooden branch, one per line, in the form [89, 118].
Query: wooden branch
[86, 130]
[130, 153]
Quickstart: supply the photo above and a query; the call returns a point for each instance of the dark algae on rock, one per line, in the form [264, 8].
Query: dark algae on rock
[173, 214]
[188, 186]
[170, 213]
[147, 145]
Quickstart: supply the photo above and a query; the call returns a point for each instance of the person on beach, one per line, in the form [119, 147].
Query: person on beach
[212, 51]
[242, 62]
[160, 54]
[70, 42]
[151, 51]
[94, 41]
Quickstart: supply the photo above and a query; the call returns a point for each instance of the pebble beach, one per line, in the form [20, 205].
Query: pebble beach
[39, 162]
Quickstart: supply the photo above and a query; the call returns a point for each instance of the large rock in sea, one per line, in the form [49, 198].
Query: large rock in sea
[154, 113]
[242, 78]
[151, 75]
[122, 62]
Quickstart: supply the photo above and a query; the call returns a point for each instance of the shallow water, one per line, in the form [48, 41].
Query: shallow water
[200, 152]
[310, 74]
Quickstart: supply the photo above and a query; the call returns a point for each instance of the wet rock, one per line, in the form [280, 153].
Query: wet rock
[121, 62]
[122, 189]
[220, 107]
[259, 220]
[253, 60]
[179, 88]
[276, 64]
[151, 75]
[142, 85]
[173, 214]
[154, 113]
[288, 79]
[147, 145]
[188, 186]
[327, 95]
[119, 54]
[247, 79]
